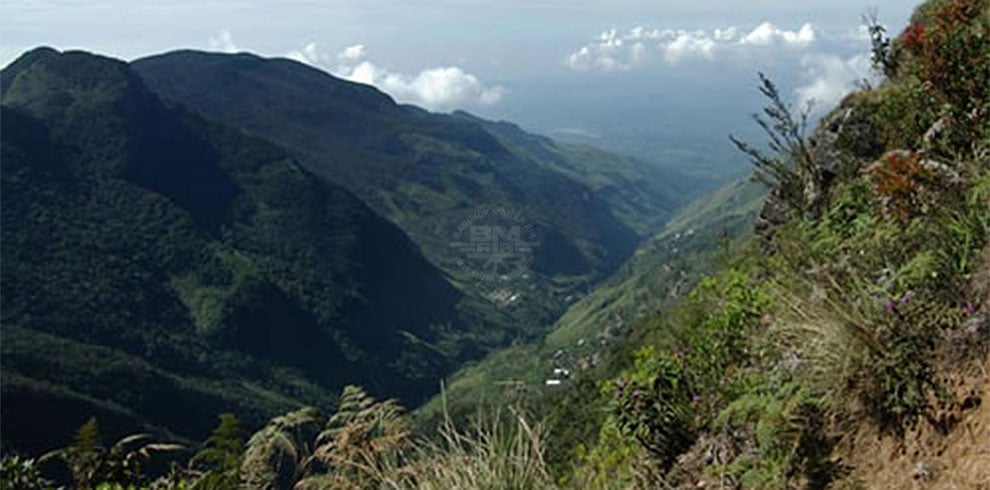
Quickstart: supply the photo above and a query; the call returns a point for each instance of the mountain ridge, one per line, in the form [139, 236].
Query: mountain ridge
[192, 253]
[426, 172]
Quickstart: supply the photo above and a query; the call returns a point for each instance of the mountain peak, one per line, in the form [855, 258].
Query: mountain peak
[170, 71]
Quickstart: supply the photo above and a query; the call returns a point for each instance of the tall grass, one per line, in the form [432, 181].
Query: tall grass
[500, 451]
[494, 454]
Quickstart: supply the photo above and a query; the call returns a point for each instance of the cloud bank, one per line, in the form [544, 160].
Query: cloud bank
[615, 51]
[441, 88]
[830, 77]
[826, 77]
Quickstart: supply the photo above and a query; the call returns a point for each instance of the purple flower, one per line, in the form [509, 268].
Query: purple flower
[969, 308]
[635, 394]
[908, 296]
[890, 306]
[696, 399]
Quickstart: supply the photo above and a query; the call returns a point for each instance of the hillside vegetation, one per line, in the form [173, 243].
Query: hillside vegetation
[848, 337]
[596, 331]
[842, 345]
[158, 269]
[429, 172]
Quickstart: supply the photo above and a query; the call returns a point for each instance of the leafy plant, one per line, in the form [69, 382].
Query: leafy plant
[882, 52]
[219, 460]
[789, 170]
[653, 404]
[122, 463]
[898, 180]
[17, 473]
[668, 394]
[951, 49]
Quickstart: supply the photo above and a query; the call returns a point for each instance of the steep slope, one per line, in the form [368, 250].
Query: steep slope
[846, 345]
[642, 194]
[596, 326]
[427, 172]
[159, 269]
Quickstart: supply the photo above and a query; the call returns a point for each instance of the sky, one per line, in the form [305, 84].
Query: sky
[650, 76]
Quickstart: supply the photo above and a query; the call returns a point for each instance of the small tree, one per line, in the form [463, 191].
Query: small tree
[882, 52]
[790, 169]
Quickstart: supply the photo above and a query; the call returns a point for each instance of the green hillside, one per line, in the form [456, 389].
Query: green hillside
[824, 325]
[642, 195]
[429, 172]
[595, 328]
[158, 269]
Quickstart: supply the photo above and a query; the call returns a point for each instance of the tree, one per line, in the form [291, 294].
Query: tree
[790, 170]
[882, 53]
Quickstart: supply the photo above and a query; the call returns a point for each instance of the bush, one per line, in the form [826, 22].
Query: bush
[653, 404]
[950, 47]
[785, 429]
[18, 473]
[667, 395]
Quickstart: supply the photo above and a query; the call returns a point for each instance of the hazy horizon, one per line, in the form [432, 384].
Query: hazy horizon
[602, 72]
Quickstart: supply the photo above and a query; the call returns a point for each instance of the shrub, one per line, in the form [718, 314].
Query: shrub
[18, 473]
[951, 50]
[789, 169]
[898, 179]
[902, 112]
[669, 394]
[653, 404]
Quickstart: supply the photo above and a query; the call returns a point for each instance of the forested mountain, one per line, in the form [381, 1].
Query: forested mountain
[188, 253]
[158, 268]
[429, 172]
[601, 327]
[217, 236]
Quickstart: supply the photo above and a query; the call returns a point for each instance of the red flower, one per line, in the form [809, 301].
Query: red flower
[914, 36]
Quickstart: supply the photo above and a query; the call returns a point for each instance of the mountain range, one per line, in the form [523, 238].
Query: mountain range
[195, 233]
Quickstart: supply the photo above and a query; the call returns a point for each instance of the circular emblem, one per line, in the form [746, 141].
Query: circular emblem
[495, 243]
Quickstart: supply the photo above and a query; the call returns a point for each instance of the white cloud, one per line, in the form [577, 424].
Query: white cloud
[859, 35]
[726, 34]
[766, 34]
[688, 45]
[354, 52]
[223, 42]
[830, 78]
[615, 51]
[608, 53]
[440, 88]
[307, 54]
